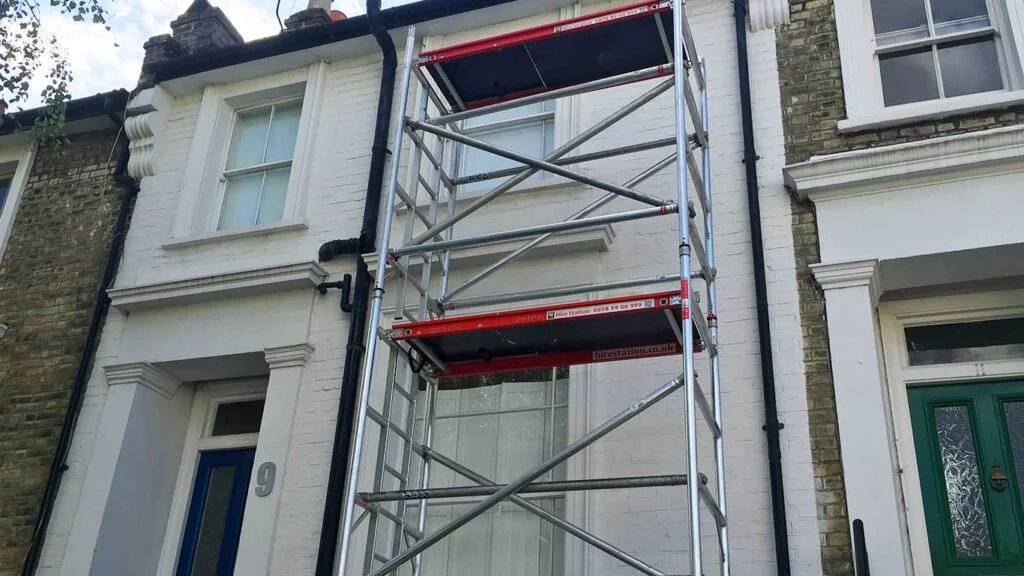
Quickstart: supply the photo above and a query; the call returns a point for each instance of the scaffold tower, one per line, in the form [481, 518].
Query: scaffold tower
[434, 341]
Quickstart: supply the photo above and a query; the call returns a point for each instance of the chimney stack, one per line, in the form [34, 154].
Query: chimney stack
[316, 13]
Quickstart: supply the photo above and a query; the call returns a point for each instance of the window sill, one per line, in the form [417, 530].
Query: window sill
[221, 235]
[932, 110]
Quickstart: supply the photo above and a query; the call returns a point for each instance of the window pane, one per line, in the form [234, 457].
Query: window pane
[238, 418]
[274, 191]
[908, 77]
[1014, 413]
[956, 15]
[249, 139]
[5, 185]
[967, 511]
[241, 200]
[526, 139]
[970, 67]
[899, 20]
[981, 341]
[283, 131]
[215, 516]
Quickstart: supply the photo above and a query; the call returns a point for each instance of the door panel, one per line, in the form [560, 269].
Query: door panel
[964, 436]
[210, 540]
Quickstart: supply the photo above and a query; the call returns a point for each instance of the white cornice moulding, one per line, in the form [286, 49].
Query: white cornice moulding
[575, 241]
[218, 286]
[143, 374]
[767, 14]
[871, 170]
[288, 356]
[836, 276]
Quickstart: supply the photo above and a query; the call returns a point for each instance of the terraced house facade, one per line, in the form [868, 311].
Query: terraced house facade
[864, 159]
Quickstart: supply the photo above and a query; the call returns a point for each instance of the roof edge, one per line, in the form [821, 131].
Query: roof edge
[295, 40]
[77, 109]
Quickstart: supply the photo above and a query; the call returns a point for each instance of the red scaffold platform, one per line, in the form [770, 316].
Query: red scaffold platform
[557, 55]
[623, 328]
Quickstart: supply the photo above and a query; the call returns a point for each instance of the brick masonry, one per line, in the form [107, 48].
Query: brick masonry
[48, 279]
[811, 87]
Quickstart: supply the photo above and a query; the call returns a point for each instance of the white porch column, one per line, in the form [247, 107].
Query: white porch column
[865, 424]
[262, 505]
[126, 495]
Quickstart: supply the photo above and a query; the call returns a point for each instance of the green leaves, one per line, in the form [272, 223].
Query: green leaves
[31, 61]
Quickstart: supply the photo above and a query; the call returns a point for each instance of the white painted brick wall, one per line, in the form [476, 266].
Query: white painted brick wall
[650, 523]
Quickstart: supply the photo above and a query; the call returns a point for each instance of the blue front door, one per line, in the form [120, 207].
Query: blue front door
[210, 542]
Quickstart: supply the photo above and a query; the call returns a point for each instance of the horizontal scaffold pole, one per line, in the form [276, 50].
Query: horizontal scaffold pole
[536, 230]
[555, 292]
[578, 159]
[536, 487]
[602, 545]
[535, 163]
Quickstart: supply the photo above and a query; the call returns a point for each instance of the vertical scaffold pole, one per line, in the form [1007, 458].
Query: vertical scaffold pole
[363, 399]
[681, 71]
[716, 381]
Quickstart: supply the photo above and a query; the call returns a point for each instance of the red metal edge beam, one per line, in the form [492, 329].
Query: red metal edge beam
[521, 37]
[539, 315]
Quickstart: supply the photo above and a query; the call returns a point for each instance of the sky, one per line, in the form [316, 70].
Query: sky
[102, 61]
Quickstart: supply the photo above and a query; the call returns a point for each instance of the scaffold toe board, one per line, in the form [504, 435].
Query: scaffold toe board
[553, 56]
[623, 328]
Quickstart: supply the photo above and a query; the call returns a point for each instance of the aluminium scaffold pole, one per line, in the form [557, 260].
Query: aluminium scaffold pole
[682, 66]
[362, 400]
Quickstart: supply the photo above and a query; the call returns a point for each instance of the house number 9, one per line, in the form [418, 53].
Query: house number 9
[265, 479]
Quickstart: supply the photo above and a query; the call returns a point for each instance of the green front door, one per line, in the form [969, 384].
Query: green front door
[970, 452]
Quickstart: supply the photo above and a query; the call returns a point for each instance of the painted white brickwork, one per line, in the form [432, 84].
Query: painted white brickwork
[649, 523]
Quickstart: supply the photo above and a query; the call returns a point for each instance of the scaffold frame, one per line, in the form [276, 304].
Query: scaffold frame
[423, 344]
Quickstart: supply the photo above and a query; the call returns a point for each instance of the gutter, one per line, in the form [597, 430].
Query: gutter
[771, 408]
[366, 242]
[313, 36]
[113, 105]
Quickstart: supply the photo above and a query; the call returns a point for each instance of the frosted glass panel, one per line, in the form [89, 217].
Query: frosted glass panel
[241, 201]
[275, 188]
[967, 511]
[499, 431]
[1014, 413]
[249, 139]
[283, 130]
[215, 516]
[527, 139]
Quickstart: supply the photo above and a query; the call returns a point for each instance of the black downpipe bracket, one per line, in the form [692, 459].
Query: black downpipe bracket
[99, 314]
[771, 408]
[357, 304]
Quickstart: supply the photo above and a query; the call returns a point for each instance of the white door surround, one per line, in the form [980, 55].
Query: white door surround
[893, 317]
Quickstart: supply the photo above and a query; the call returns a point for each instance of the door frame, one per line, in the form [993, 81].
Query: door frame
[197, 440]
[893, 317]
[198, 504]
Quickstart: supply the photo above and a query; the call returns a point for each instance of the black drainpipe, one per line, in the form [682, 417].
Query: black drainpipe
[771, 408]
[366, 242]
[99, 313]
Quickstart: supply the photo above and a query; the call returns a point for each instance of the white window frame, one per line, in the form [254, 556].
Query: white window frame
[862, 83]
[15, 163]
[226, 173]
[202, 189]
[198, 439]
[893, 318]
